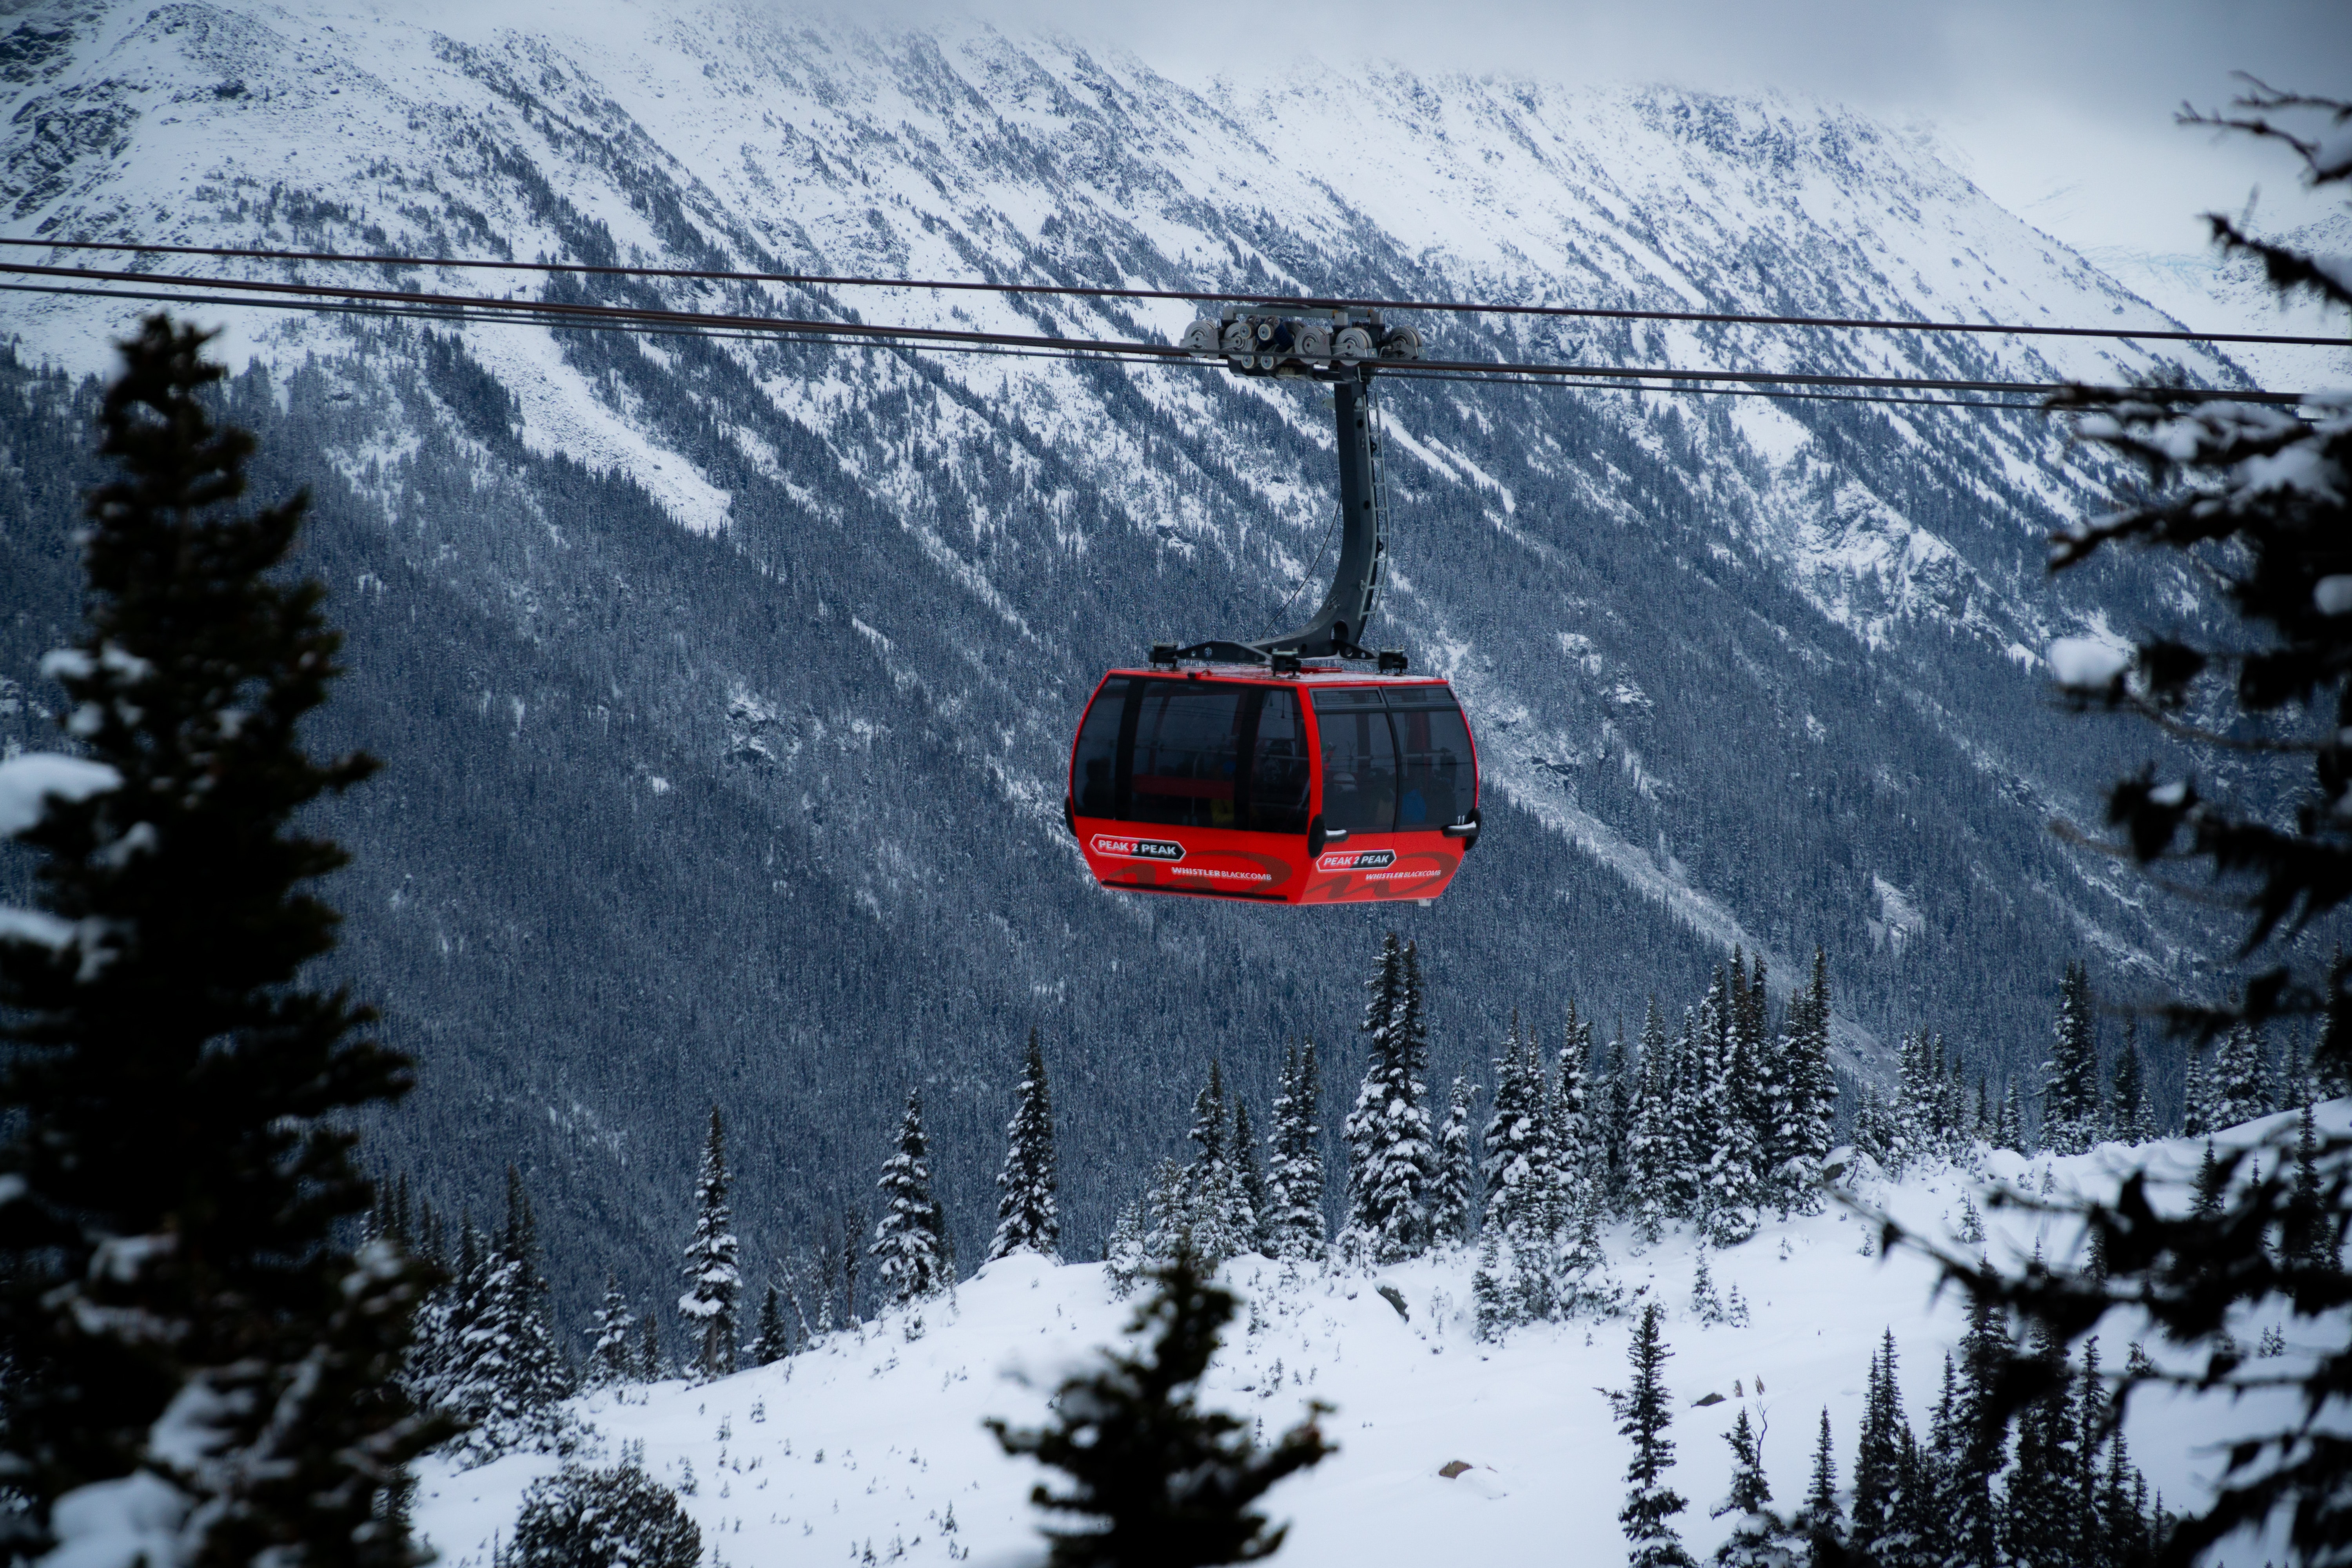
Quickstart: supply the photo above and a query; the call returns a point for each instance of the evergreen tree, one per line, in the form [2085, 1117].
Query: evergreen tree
[1452, 1214]
[1390, 1164]
[650, 1364]
[2008, 1125]
[1808, 1096]
[2070, 1077]
[1490, 1289]
[173, 1100]
[1759, 1538]
[1155, 1478]
[1620, 1090]
[2240, 1080]
[1028, 1214]
[1643, 1413]
[910, 1248]
[2041, 1512]
[2200, 1105]
[1689, 1112]
[2305, 1239]
[1736, 1102]
[1125, 1254]
[1978, 1444]
[1877, 1466]
[1249, 1183]
[2130, 1119]
[713, 1281]
[1574, 1187]
[1649, 1144]
[774, 1343]
[1516, 1167]
[1214, 1209]
[1824, 1521]
[1294, 1184]
[613, 1356]
[504, 1377]
[620, 1518]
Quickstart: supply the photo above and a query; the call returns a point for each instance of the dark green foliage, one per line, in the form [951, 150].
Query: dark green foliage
[620, 1518]
[2070, 1077]
[1158, 1479]
[1824, 1521]
[774, 1343]
[175, 1100]
[1644, 1411]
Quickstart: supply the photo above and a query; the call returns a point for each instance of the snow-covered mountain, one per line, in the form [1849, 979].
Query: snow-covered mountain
[726, 686]
[871, 1440]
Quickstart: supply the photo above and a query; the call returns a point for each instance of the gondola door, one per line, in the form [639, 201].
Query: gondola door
[1399, 793]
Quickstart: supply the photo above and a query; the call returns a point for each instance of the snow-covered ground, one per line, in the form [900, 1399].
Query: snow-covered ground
[871, 1441]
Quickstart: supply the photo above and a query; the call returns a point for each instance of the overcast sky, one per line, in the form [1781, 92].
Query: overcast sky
[2061, 110]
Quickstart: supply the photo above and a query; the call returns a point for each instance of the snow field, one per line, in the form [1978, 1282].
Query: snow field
[872, 1438]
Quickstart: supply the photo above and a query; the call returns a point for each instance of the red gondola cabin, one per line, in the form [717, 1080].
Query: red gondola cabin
[1320, 786]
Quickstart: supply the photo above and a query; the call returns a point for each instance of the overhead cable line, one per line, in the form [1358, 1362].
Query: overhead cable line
[1297, 301]
[231, 291]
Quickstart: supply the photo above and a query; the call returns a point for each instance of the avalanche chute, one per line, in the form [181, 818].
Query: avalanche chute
[1283, 770]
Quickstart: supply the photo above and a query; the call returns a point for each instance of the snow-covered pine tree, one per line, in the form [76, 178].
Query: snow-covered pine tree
[1517, 1153]
[2199, 1098]
[2297, 1085]
[1296, 1182]
[1492, 1309]
[1875, 1131]
[612, 1352]
[713, 1279]
[1737, 1098]
[2241, 1079]
[2070, 1077]
[911, 1250]
[173, 1100]
[1390, 1157]
[1213, 1203]
[1125, 1254]
[1572, 1134]
[506, 1379]
[1620, 1081]
[650, 1364]
[1684, 1098]
[1644, 1411]
[1822, 1522]
[580, 1518]
[2009, 1122]
[1153, 1476]
[1877, 1466]
[1028, 1214]
[1758, 1537]
[1807, 1095]
[1249, 1183]
[1649, 1139]
[2130, 1118]
[1452, 1213]
[774, 1342]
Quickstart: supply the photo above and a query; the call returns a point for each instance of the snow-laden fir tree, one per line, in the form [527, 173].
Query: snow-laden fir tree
[1759, 1538]
[2070, 1077]
[2009, 1122]
[1390, 1158]
[1572, 1134]
[503, 1377]
[1806, 1100]
[612, 1350]
[1491, 1310]
[1215, 1207]
[713, 1279]
[1644, 1411]
[651, 1365]
[1877, 1466]
[1452, 1210]
[1518, 1167]
[2198, 1105]
[620, 1518]
[1126, 1254]
[2131, 1119]
[1650, 1149]
[1730, 1176]
[1249, 1175]
[1620, 1089]
[1028, 1214]
[176, 1107]
[910, 1251]
[2241, 1079]
[1692, 1108]
[1294, 1175]
[1822, 1521]
[774, 1342]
